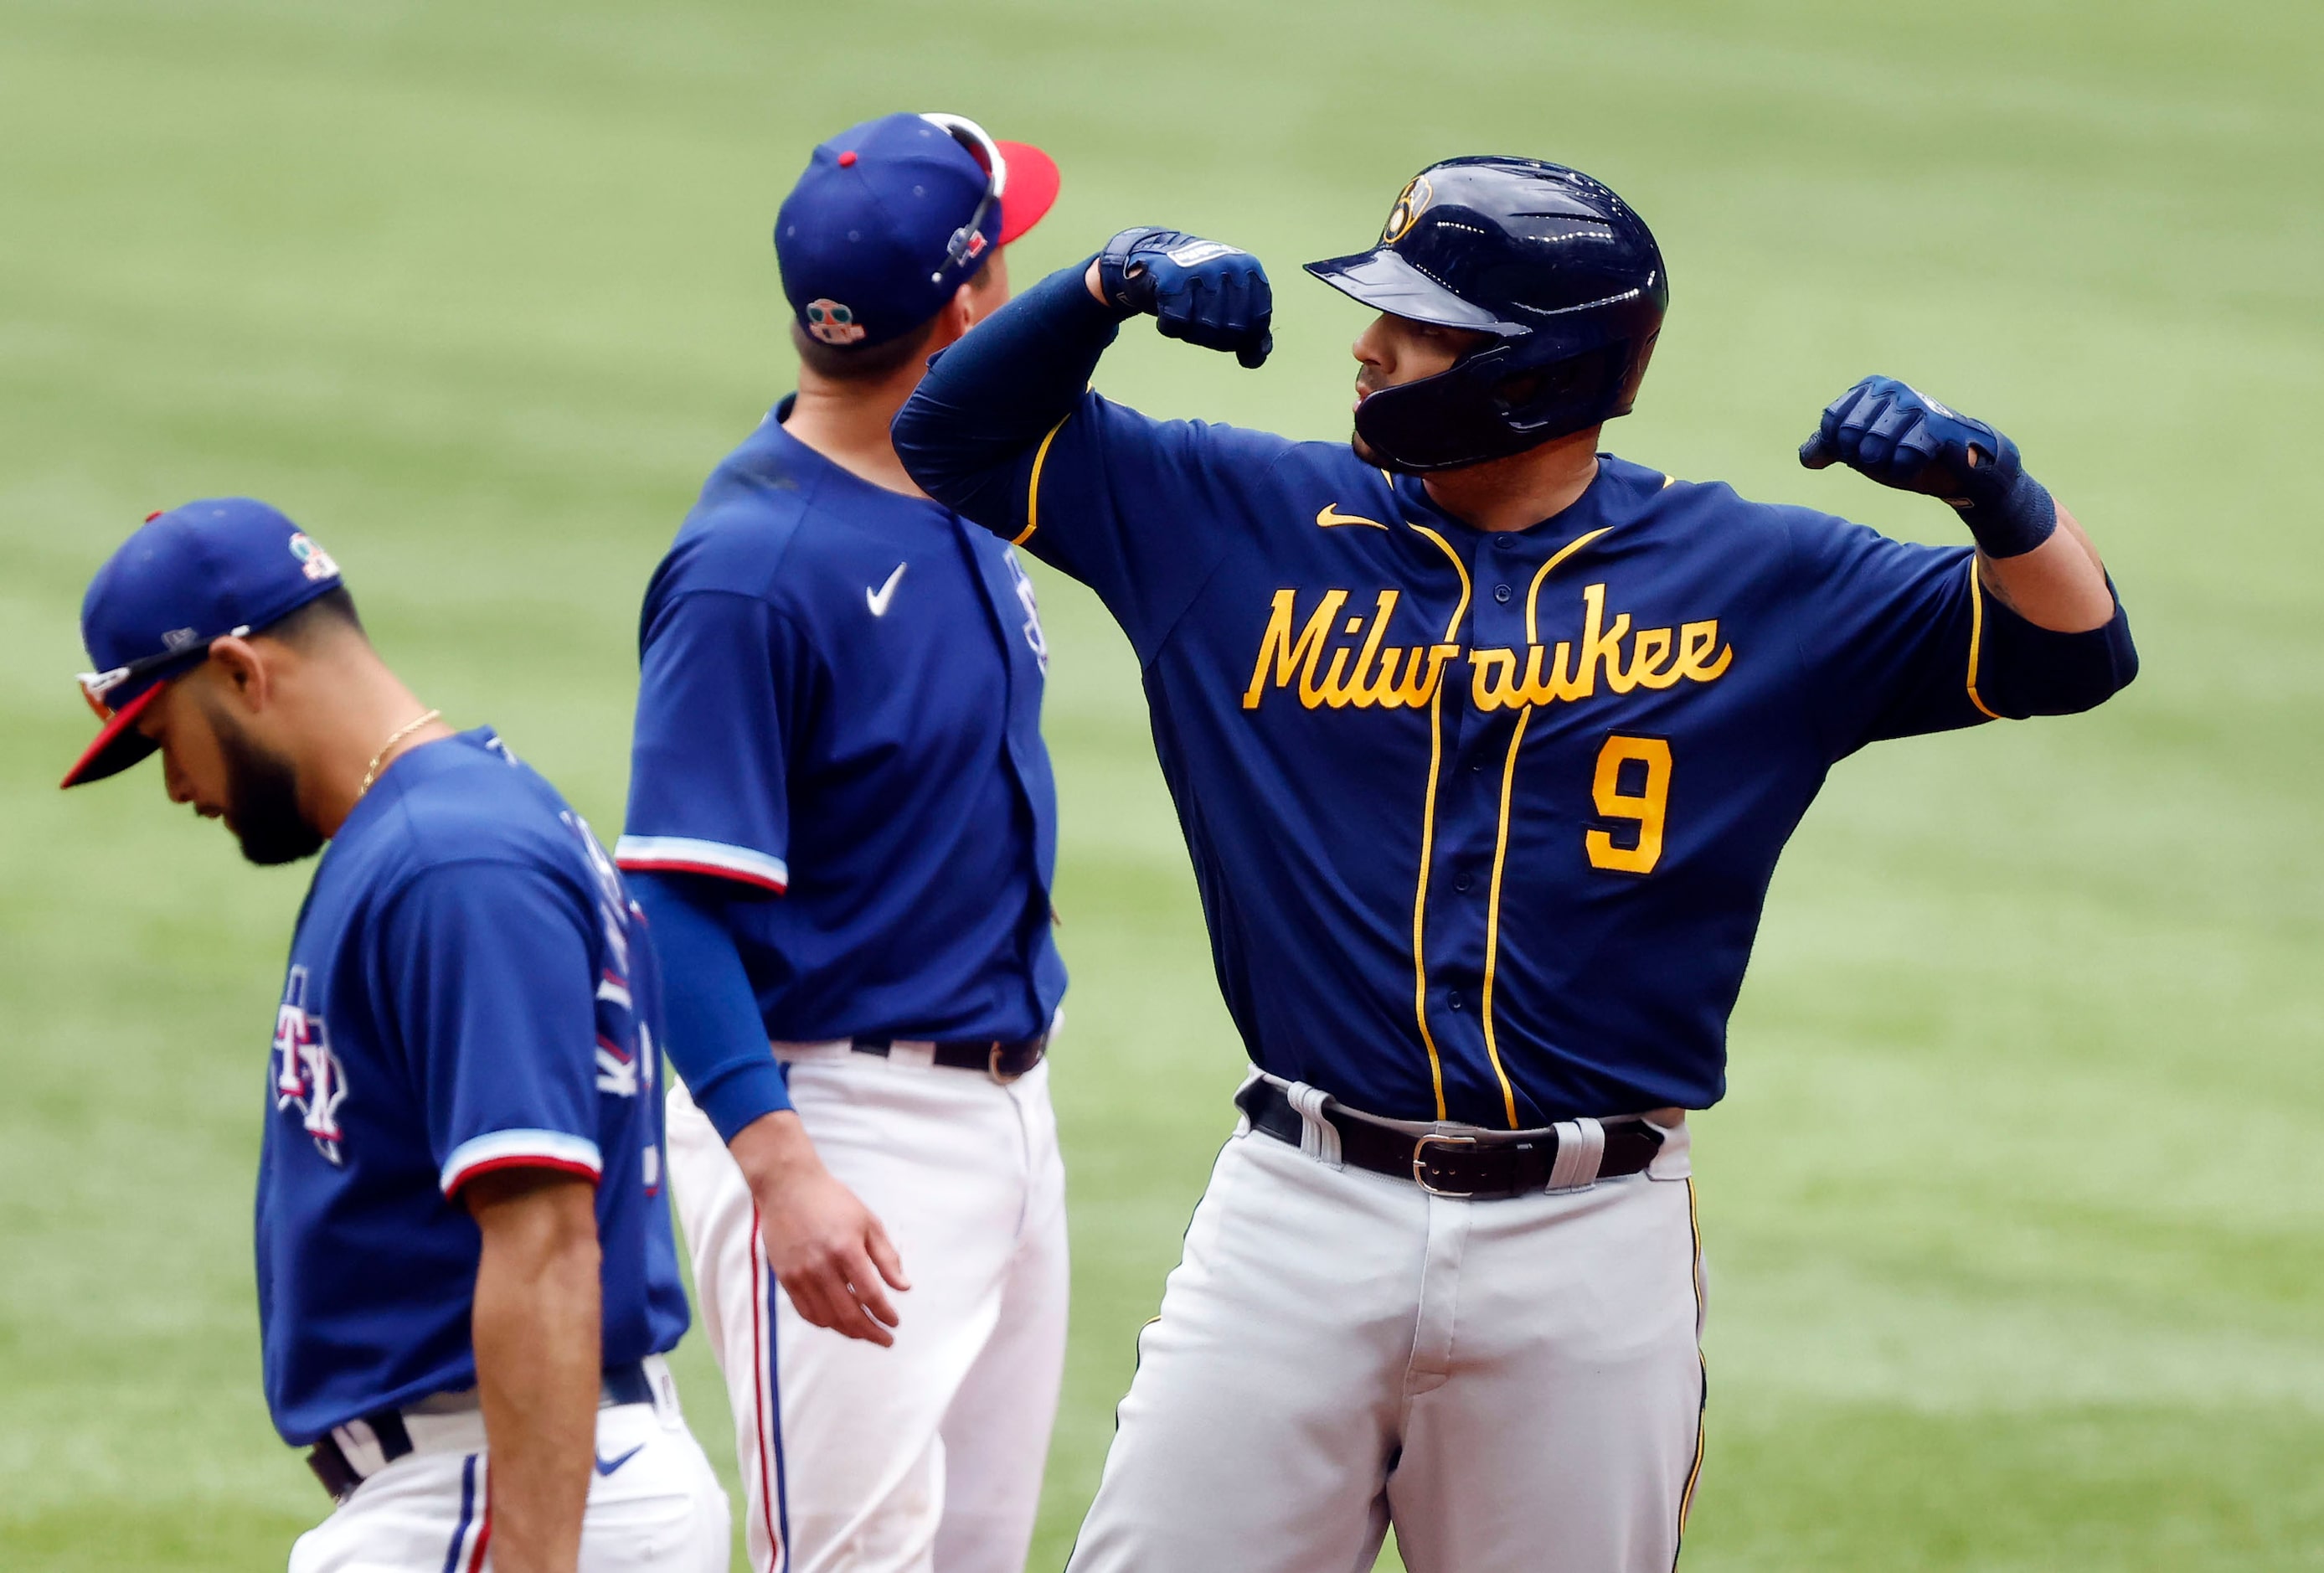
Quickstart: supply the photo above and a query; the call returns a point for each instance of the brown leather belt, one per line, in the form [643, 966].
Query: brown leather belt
[1002, 1061]
[1487, 1165]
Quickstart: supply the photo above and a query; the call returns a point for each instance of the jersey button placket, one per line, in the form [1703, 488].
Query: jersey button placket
[1468, 820]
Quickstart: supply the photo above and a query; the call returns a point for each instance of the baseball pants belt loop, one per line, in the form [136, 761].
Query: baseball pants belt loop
[352, 1453]
[1003, 1059]
[1319, 1138]
[1580, 1149]
[1458, 1162]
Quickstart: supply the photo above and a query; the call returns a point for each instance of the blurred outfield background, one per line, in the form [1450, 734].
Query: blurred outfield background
[2014, 1214]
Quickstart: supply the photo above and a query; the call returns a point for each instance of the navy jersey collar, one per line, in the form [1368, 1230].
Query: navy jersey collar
[806, 466]
[1607, 500]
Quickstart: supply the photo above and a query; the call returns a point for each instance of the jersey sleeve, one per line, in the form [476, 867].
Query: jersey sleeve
[724, 678]
[715, 1036]
[1138, 509]
[1888, 631]
[489, 966]
[1004, 429]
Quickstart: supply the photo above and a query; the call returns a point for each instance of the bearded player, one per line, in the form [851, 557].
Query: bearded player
[466, 1275]
[843, 823]
[1484, 744]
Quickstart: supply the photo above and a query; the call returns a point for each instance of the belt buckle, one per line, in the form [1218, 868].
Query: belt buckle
[993, 1066]
[1420, 1164]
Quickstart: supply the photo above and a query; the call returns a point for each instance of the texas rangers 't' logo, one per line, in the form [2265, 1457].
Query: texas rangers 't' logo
[305, 1071]
[1027, 599]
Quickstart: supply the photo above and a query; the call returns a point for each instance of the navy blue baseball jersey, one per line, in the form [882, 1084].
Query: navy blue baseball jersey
[470, 989]
[840, 702]
[1482, 823]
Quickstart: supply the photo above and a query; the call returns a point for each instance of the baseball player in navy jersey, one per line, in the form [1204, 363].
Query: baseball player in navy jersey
[1484, 744]
[843, 823]
[466, 1279]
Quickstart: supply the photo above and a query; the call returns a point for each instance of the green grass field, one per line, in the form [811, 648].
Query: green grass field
[2014, 1214]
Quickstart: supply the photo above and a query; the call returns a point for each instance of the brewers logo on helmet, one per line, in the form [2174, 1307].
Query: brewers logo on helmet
[1409, 202]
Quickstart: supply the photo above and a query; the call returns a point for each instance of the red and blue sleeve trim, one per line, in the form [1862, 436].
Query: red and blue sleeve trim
[553, 1150]
[683, 855]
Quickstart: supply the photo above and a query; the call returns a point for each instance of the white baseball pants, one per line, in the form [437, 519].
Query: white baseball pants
[926, 1455]
[655, 1504]
[1514, 1382]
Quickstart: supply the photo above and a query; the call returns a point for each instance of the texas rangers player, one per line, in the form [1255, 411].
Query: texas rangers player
[1485, 744]
[466, 1274]
[843, 823]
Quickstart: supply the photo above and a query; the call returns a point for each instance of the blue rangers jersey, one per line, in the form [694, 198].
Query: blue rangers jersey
[470, 989]
[840, 704]
[1482, 823]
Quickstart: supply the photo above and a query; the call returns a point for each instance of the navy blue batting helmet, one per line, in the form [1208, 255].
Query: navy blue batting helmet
[1560, 273]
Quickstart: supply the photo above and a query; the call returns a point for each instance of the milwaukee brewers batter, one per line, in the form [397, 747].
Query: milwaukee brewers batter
[466, 1274]
[1485, 744]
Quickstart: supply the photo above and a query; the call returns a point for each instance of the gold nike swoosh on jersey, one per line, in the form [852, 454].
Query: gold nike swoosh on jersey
[1330, 514]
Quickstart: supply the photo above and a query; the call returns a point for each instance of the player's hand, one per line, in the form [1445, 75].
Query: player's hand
[1900, 436]
[826, 1248]
[1197, 289]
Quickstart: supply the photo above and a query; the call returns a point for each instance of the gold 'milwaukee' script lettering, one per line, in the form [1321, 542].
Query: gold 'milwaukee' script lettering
[1564, 672]
[1390, 676]
[1360, 668]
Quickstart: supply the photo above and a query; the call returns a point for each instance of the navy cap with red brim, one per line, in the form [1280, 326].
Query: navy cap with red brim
[1032, 182]
[118, 744]
[194, 574]
[891, 216]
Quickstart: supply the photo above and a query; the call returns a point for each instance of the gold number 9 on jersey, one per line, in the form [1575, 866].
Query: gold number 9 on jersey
[1646, 806]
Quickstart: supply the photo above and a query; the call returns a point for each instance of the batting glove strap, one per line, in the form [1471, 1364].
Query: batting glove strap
[2021, 518]
[1122, 275]
[1898, 436]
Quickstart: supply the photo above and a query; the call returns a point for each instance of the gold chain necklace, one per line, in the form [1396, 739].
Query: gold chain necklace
[371, 770]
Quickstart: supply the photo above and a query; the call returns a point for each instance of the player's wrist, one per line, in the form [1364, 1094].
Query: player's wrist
[775, 1154]
[1118, 276]
[733, 1098]
[2018, 515]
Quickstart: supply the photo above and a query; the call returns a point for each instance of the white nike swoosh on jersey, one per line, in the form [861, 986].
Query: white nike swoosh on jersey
[878, 599]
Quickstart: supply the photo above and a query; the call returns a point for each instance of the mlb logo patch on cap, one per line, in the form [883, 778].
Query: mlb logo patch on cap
[831, 322]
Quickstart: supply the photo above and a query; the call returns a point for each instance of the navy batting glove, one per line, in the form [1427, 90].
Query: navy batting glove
[1198, 289]
[1902, 438]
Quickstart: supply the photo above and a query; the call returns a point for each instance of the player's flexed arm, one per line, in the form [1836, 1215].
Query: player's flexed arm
[990, 401]
[2039, 566]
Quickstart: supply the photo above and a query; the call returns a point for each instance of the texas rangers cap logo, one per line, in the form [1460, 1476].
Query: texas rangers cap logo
[1410, 203]
[832, 322]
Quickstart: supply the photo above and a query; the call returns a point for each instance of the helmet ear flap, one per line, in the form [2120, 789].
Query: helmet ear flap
[1484, 407]
[1526, 397]
[1642, 352]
